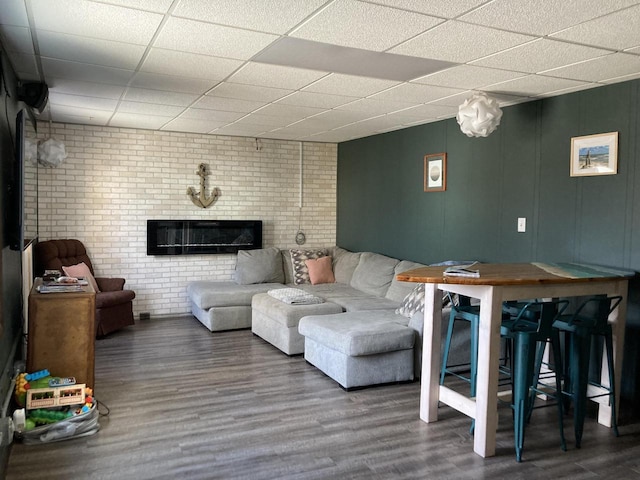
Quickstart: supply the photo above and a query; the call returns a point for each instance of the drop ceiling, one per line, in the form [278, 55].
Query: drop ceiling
[309, 70]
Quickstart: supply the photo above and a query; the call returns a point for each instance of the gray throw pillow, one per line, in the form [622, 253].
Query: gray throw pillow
[259, 266]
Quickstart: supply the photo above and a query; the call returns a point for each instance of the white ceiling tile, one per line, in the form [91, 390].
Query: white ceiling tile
[274, 16]
[240, 130]
[611, 31]
[281, 134]
[266, 121]
[158, 6]
[454, 100]
[467, 77]
[460, 42]
[208, 39]
[248, 92]
[170, 62]
[564, 91]
[299, 129]
[87, 119]
[289, 111]
[599, 69]
[96, 20]
[375, 107]
[13, 12]
[334, 136]
[624, 78]
[406, 117]
[171, 83]
[87, 89]
[228, 104]
[355, 24]
[357, 129]
[275, 76]
[133, 120]
[416, 93]
[85, 72]
[439, 8]
[350, 85]
[82, 115]
[90, 50]
[539, 55]
[17, 39]
[158, 96]
[192, 125]
[144, 108]
[318, 100]
[533, 85]
[93, 103]
[337, 118]
[24, 64]
[457, 100]
[541, 17]
[382, 122]
[431, 111]
[211, 115]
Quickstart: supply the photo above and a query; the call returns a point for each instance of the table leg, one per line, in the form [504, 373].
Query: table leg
[484, 441]
[430, 376]
[617, 320]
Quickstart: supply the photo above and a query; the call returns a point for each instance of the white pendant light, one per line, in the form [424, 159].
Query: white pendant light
[479, 115]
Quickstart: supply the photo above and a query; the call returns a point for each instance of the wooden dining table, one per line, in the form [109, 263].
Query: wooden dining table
[497, 283]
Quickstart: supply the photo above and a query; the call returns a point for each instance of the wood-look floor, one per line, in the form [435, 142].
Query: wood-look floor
[186, 403]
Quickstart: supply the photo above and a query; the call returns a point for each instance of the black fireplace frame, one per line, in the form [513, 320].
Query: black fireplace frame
[197, 237]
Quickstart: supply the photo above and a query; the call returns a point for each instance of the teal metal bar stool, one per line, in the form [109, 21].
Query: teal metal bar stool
[461, 309]
[529, 332]
[581, 328]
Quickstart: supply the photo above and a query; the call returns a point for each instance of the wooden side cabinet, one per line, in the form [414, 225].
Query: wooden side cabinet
[62, 332]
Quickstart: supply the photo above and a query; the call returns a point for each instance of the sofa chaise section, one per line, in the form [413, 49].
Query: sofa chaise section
[224, 305]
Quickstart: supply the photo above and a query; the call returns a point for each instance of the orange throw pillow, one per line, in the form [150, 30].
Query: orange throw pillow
[81, 270]
[320, 270]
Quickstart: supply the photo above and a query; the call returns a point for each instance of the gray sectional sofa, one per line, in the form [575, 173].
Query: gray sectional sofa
[365, 328]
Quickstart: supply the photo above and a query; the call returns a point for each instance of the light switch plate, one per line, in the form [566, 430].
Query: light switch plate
[522, 224]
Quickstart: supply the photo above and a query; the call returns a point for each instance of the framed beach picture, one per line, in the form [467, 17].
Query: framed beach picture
[435, 172]
[594, 155]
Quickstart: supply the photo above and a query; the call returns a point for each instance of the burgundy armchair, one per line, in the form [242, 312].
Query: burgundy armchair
[114, 305]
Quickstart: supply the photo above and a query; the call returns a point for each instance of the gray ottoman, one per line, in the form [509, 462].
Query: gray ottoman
[277, 322]
[360, 348]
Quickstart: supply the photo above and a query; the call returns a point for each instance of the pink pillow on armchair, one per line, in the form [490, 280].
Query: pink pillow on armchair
[320, 270]
[81, 270]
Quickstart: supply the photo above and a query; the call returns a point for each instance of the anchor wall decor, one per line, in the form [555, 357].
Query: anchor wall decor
[200, 198]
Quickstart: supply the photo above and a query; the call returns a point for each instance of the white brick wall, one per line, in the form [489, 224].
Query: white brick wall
[114, 179]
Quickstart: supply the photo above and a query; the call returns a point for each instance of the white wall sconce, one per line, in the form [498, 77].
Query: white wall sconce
[479, 115]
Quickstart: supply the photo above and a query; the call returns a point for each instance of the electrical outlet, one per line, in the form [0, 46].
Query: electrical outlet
[522, 224]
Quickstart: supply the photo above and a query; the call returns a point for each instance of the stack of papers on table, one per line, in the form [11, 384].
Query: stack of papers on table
[462, 271]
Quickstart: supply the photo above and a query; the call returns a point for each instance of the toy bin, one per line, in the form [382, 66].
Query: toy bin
[77, 426]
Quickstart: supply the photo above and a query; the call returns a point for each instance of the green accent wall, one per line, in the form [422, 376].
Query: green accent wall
[520, 170]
